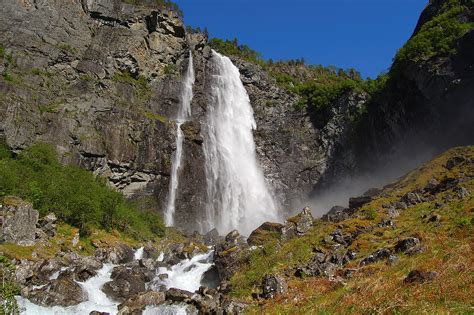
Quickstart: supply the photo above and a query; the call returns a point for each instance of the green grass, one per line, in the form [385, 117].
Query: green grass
[75, 195]
[8, 288]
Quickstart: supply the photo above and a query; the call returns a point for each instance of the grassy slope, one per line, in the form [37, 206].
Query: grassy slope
[379, 288]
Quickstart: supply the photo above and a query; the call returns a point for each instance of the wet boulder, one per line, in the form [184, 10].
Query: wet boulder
[178, 295]
[87, 268]
[18, 221]
[125, 283]
[119, 254]
[212, 238]
[273, 286]
[63, 291]
[265, 232]
[137, 303]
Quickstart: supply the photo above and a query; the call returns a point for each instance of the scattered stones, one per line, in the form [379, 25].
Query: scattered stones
[417, 276]
[18, 221]
[273, 286]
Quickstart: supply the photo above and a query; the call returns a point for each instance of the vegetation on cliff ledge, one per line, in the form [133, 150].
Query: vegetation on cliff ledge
[75, 195]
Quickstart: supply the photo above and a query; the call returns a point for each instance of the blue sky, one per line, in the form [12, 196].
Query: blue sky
[363, 34]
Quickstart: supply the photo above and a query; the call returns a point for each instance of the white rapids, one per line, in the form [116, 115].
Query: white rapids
[184, 113]
[237, 193]
[96, 299]
[186, 275]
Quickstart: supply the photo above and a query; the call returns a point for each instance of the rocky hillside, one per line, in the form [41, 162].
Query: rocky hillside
[403, 248]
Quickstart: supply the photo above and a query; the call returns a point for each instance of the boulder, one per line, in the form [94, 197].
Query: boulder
[125, 284]
[18, 221]
[378, 255]
[86, 268]
[230, 254]
[417, 276]
[137, 303]
[358, 202]
[273, 286]
[178, 295]
[119, 254]
[337, 214]
[212, 237]
[48, 224]
[411, 198]
[298, 225]
[407, 244]
[320, 265]
[455, 161]
[63, 291]
[265, 232]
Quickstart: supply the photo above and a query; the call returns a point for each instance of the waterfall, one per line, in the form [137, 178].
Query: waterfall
[237, 193]
[184, 114]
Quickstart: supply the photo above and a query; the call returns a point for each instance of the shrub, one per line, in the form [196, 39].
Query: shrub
[75, 195]
[232, 48]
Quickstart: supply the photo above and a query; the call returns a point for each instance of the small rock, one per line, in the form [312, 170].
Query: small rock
[461, 192]
[411, 198]
[273, 286]
[392, 212]
[417, 276]
[434, 218]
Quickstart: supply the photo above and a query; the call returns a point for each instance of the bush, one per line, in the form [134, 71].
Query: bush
[232, 48]
[75, 195]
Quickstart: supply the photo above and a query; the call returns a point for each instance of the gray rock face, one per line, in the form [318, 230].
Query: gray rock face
[19, 221]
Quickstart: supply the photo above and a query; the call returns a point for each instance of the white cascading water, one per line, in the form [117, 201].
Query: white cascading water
[184, 113]
[237, 193]
[186, 275]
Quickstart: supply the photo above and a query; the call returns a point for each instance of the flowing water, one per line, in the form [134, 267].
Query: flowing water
[237, 193]
[184, 113]
[186, 275]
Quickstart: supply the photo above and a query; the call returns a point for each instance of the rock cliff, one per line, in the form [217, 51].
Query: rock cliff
[101, 80]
